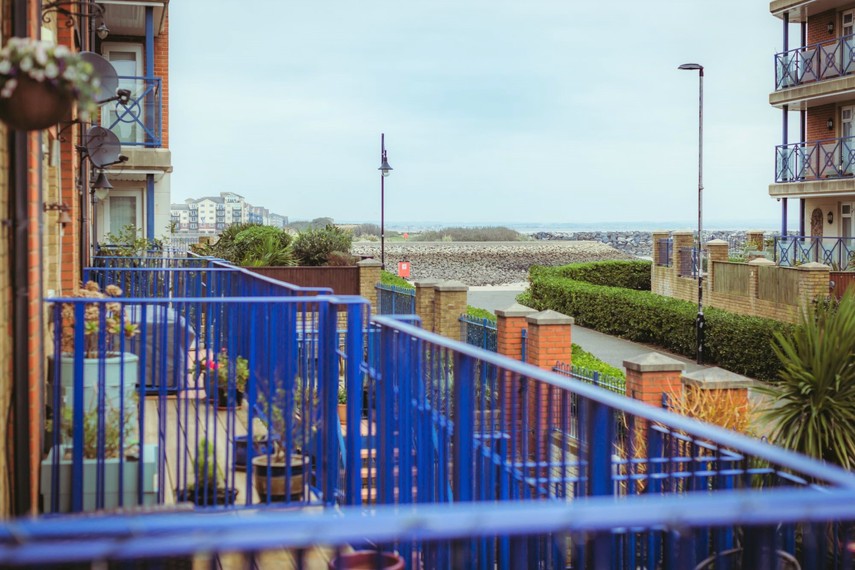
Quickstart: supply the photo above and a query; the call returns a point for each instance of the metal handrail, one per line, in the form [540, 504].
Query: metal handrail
[815, 160]
[144, 109]
[815, 62]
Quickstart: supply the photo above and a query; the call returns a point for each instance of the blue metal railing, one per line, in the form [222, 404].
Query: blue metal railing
[665, 248]
[836, 252]
[688, 260]
[395, 300]
[478, 332]
[612, 383]
[815, 160]
[534, 534]
[140, 121]
[816, 62]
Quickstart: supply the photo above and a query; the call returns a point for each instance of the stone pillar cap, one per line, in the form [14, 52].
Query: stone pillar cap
[371, 262]
[716, 379]
[682, 233]
[814, 266]
[549, 317]
[761, 261]
[426, 283]
[515, 310]
[718, 242]
[452, 286]
[653, 362]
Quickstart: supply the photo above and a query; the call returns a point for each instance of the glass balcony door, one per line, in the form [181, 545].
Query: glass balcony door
[126, 122]
[847, 47]
[847, 142]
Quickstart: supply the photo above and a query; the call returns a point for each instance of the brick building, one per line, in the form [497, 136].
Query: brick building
[815, 78]
[46, 197]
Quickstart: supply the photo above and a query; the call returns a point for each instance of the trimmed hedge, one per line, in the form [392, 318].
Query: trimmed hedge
[738, 343]
[626, 274]
[585, 359]
[389, 278]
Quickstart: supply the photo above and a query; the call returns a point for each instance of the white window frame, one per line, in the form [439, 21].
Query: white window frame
[137, 193]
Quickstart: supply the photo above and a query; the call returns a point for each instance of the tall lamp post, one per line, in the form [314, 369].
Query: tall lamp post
[384, 172]
[699, 325]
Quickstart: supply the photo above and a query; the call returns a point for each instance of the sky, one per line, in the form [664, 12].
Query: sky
[495, 111]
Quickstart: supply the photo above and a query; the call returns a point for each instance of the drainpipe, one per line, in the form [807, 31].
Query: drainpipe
[786, 110]
[18, 254]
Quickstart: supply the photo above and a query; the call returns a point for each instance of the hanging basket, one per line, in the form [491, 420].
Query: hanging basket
[34, 106]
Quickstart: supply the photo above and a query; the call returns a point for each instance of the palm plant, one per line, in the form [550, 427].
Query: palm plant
[812, 403]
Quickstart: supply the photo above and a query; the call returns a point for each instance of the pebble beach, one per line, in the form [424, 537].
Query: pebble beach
[485, 263]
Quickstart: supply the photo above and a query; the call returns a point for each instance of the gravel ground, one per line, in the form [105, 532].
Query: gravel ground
[485, 263]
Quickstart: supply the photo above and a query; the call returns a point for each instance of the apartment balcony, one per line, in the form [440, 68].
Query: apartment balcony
[813, 75]
[836, 252]
[140, 122]
[819, 167]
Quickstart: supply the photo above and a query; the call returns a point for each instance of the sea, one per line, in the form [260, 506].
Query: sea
[564, 227]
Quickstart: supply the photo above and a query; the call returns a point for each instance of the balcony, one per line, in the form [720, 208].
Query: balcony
[819, 73]
[140, 122]
[525, 455]
[836, 252]
[820, 167]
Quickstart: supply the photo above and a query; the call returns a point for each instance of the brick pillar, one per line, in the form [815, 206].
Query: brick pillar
[658, 235]
[731, 398]
[681, 240]
[753, 280]
[549, 341]
[650, 375]
[449, 303]
[755, 240]
[510, 323]
[369, 277]
[717, 251]
[425, 296]
[813, 283]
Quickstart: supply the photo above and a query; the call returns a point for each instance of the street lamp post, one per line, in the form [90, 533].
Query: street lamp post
[384, 172]
[699, 325]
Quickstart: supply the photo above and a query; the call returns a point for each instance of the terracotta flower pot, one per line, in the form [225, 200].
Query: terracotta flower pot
[34, 105]
[297, 470]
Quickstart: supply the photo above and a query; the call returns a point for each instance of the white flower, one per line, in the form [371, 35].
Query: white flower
[38, 75]
[5, 66]
[40, 54]
[61, 51]
[9, 88]
[26, 63]
[51, 70]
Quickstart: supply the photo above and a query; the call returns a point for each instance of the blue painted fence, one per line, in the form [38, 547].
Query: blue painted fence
[395, 300]
[478, 332]
[430, 420]
[836, 252]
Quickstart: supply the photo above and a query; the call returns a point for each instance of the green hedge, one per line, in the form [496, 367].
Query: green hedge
[389, 278]
[735, 342]
[626, 274]
[585, 359]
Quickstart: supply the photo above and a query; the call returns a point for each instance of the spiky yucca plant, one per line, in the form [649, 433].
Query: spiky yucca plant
[812, 403]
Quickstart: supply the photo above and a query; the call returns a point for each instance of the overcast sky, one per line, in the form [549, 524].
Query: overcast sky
[494, 111]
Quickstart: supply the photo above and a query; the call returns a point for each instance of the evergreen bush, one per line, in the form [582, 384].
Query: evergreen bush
[738, 343]
[314, 246]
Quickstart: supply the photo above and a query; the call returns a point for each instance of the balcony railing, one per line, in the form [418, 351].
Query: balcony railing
[140, 122]
[836, 252]
[816, 62]
[430, 420]
[819, 160]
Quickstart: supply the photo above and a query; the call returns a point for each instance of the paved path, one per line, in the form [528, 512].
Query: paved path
[610, 349]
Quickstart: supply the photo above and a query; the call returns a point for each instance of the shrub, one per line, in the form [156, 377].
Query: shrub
[313, 247]
[341, 259]
[739, 343]
[626, 274]
[477, 313]
[389, 278]
[261, 246]
[585, 359]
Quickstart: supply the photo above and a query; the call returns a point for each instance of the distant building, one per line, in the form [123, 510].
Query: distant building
[815, 77]
[210, 215]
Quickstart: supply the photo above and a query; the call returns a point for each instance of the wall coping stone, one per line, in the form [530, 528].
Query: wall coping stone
[653, 362]
[426, 283]
[761, 261]
[549, 317]
[369, 263]
[515, 310]
[718, 242]
[452, 286]
[682, 234]
[814, 266]
[717, 379]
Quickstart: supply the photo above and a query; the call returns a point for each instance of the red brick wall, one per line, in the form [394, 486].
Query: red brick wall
[817, 123]
[648, 387]
[69, 163]
[161, 69]
[817, 28]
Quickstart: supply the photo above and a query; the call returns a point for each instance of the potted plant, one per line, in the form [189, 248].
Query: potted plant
[368, 559]
[342, 405]
[291, 418]
[101, 352]
[116, 451]
[39, 82]
[207, 488]
[216, 374]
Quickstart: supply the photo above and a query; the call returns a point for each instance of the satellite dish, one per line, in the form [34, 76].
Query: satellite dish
[103, 147]
[105, 72]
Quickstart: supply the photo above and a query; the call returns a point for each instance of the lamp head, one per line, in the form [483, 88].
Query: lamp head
[101, 182]
[102, 30]
[693, 67]
[384, 165]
